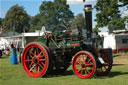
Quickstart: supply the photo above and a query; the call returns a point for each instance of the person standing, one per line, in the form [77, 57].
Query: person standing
[13, 49]
[13, 56]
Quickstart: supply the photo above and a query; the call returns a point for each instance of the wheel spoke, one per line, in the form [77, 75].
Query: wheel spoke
[32, 67]
[40, 53]
[31, 52]
[43, 63]
[105, 67]
[87, 71]
[91, 68]
[84, 57]
[81, 71]
[88, 64]
[78, 65]
[89, 60]
[79, 61]
[41, 56]
[42, 59]
[28, 60]
[37, 50]
[30, 56]
[41, 66]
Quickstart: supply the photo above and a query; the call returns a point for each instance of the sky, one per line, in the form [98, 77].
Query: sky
[32, 6]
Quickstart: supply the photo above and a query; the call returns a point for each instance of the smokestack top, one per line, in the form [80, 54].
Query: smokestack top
[88, 8]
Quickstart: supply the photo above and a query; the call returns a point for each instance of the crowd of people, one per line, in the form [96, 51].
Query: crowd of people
[7, 50]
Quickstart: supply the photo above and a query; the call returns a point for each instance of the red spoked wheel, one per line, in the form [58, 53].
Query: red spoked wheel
[104, 69]
[84, 64]
[35, 59]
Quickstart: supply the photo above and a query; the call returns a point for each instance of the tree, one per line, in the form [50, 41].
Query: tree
[36, 22]
[117, 24]
[16, 19]
[124, 3]
[109, 14]
[79, 21]
[53, 14]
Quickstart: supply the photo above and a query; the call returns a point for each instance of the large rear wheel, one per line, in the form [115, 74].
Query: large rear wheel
[36, 59]
[84, 64]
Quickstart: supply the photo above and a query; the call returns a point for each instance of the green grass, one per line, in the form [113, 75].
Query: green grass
[15, 75]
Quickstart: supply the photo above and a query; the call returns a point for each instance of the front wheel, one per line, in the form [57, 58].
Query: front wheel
[84, 64]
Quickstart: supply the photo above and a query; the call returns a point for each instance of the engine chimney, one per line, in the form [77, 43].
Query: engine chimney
[88, 20]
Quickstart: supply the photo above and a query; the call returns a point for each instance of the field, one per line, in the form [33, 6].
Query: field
[15, 75]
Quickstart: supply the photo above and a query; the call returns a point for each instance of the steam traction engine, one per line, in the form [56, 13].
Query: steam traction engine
[54, 52]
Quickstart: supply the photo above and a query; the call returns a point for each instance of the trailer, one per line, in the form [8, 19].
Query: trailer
[118, 42]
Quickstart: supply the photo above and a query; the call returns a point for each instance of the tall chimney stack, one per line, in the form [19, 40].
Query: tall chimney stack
[88, 19]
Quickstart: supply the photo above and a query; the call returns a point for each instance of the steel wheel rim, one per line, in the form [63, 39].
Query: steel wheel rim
[88, 68]
[34, 63]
